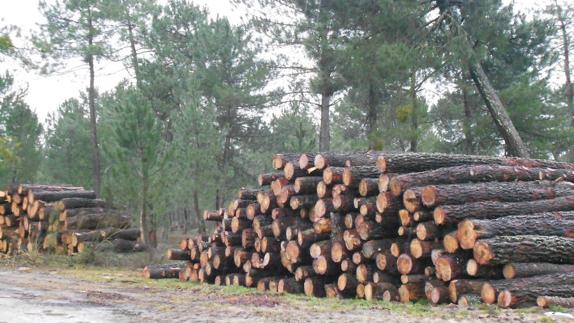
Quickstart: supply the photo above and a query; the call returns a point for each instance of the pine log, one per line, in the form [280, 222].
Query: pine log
[473, 269]
[352, 240]
[547, 301]
[422, 249]
[475, 174]
[352, 176]
[290, 286]
[323, 265]
[306, 185]
[501, 192]
[302, 201]
[162, 271]
[460, 287]
[528, 248]
[52, 196]
[491, 289]
[94, 221]
[521, 270]
[347, 284]
[411, 292]
[385, 261]
[372, 247]
[370, 230]
[369, 186]
[451, 266]
[450, 242]
[78, 202]
[453, 214]
[338, 251]
[280, 160]
[324, 160]
[547, 224]
[376, 291]
[513, 297]
[418, 162]
[315, 286]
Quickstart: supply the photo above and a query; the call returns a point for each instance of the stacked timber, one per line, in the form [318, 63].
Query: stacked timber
[398, 227]
[61, 219]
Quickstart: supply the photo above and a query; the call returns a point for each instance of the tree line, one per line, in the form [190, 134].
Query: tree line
[207, 100]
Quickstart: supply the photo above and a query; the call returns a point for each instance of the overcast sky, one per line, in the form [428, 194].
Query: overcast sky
[45, 93]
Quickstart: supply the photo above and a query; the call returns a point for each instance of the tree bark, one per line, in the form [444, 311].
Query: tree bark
[526, 248]
[547, 301]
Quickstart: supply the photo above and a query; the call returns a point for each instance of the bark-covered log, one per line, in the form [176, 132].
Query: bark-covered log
[387, 204]
[98, 221]
[370, 230]
[369, 187]
[460, 287]
[162, 271]
[333, 175]
[320, 248]
[352, 176]
[473, 269]
[306, 185]
[280, 160]
[450, 242]
[302, 201]
[547, 301]
[324, 160]
[411, 292]
[528, 248]
[475, 174]
[78, 202]
[491, 289]
[376, 291]
[453, 214]
[289, 286]
[451, 266]
[385, 261]
[52, 196]
[418, 162]
[423, 249]
[513, 297]
[372, 247]
[547, 224]
[498, 191]
[315, 286]
[324, 265]
[529, 269]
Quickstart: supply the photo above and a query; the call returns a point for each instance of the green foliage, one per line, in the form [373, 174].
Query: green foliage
[67, 145]
[20, 133]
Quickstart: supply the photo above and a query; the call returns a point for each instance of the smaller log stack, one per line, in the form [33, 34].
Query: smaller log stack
[398, 227]
[62, 219]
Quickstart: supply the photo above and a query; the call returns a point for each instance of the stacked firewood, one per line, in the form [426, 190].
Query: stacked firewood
[398, 227]
[61, 219]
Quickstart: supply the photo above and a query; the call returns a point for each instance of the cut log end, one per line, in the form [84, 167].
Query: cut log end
[450, 243]
[416, 248]
[411, 200]
[429, 196]
[405, 264]
[506, 299]
[488, 294]
[482, 253]
[472, 267]
[508, 271]
[382, 164]
[467, 234]
[320, 162]
[289, 170]
[439, 216]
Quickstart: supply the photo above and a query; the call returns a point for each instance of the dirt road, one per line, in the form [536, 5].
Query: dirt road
[121, 296]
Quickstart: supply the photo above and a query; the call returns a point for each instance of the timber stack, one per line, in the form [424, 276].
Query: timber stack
[62, 219]
[399, 227]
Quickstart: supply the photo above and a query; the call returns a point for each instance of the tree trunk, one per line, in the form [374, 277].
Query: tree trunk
[527, 295]
[92, 107]
[414, 114]
[467, 122]
[197, 211]
[569, 91]
[325, 127]
[546, 224]
[514, 144]
[372, 116]
[453, 214]
[526, 248]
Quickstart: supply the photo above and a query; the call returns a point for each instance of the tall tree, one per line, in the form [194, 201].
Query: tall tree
[563, 16]
[77, 28]
[137, 151]
[458, 19]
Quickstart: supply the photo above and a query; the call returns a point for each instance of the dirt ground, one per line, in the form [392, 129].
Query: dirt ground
[105, 295]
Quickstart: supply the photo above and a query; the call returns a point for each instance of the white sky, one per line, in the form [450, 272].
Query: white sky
[47, 92]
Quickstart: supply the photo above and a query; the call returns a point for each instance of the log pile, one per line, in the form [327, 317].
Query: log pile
[61, 219]
[398, 227]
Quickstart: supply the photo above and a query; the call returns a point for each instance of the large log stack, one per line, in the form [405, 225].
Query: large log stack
[399, 227]
[62, 219]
